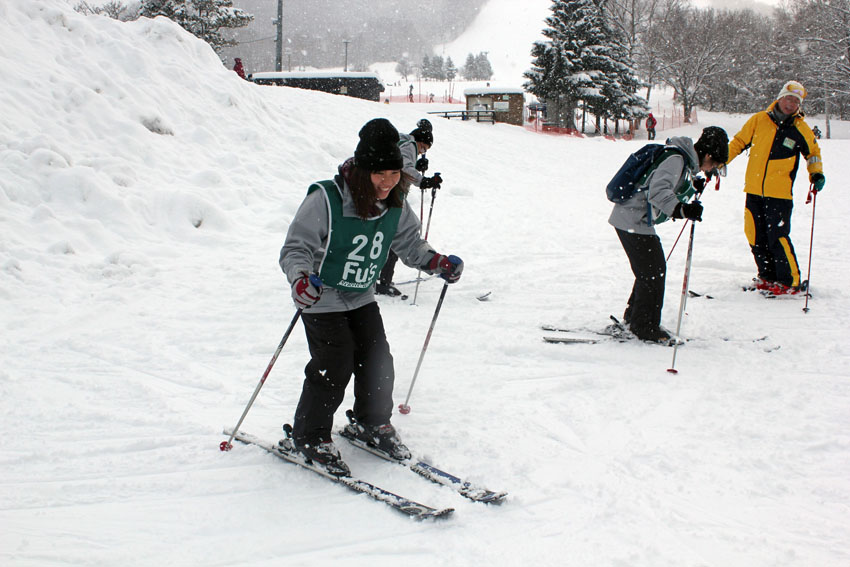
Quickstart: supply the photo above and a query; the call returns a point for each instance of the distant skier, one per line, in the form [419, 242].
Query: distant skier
[342, 233]
[650, 127]
[412, 146]
[776, 138]
[668, 179]
[237, 66]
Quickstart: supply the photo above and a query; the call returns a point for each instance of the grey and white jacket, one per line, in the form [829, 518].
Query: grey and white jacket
[632, 215]
[307, 238]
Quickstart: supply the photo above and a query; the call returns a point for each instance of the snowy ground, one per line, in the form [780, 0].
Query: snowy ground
[144, 194]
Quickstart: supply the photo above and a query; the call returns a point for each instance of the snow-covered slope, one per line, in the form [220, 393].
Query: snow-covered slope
[144, 194]
[505, 30]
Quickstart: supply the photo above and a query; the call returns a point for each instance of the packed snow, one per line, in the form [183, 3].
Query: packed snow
[145, 192]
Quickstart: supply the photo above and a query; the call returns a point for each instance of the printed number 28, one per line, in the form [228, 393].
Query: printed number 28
[361, 241]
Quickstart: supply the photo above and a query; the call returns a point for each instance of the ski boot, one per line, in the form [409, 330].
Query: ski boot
[380, 437]
[321, 453]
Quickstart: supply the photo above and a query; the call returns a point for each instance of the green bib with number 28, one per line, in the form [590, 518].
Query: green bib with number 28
[357, 249]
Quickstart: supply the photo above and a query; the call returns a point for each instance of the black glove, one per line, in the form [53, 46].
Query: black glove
[692, 211]
[448, 267]
[422, 164]
[429, 182]
[818, 180]
[699, 183]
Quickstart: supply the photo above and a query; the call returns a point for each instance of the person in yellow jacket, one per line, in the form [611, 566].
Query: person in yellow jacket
[776, 138]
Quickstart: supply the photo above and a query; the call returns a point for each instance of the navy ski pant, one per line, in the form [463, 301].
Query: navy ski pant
[767, 224]
[342, 344]
[649, 267]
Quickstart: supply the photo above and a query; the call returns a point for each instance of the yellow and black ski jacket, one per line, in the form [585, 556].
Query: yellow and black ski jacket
[775, 150]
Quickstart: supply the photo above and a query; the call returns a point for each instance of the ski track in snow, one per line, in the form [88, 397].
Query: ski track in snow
[145, 192]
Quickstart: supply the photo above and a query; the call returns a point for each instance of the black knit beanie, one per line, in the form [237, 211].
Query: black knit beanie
[378, 148]
[713, 142]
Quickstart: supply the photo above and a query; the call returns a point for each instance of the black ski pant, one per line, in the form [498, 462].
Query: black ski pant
[649, 266]
[767, 224]
[342, 344]
[386, 276]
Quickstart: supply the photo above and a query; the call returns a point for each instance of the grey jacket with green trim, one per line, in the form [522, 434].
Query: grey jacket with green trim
[308, 234]
[632, 215]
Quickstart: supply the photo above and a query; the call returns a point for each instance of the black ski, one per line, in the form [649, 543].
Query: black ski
[432, 473]
[404, 505]
[692, 293]
[615, 331]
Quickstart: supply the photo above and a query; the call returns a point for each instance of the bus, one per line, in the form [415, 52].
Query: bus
[363, 85]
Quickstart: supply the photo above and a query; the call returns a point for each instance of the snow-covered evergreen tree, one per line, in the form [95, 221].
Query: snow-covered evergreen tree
[477, 67]
[583, 60]
[451, 70]
[202, 18]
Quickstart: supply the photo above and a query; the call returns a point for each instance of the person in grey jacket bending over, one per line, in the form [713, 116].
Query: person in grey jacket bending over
[661, 196]
[335, 248]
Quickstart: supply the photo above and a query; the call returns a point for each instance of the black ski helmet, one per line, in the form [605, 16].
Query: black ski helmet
[423, 132]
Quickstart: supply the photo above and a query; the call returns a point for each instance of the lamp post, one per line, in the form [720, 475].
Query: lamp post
[278, 42]
[346, 42]
[288, 59]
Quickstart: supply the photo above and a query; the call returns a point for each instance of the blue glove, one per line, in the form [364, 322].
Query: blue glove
[306, 290]
[448, 267]
[818, 180]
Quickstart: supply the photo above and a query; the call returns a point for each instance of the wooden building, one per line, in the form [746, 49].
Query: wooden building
[507, 103]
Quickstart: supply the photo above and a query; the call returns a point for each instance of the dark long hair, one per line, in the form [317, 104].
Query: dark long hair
[363, 192]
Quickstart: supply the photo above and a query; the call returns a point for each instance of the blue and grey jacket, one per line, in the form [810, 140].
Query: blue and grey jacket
[633, 215]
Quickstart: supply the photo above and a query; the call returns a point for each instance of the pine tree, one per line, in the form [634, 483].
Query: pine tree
[482, 66]
[469, 68]
[426, 72]
[583, 60]
[204, 19]
[451, 70]
[437, 71]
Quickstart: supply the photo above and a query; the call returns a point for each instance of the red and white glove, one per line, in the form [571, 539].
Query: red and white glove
[448, 267]
[306, 290]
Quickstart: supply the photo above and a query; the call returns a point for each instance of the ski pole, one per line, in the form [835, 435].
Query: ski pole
[813, 197]
[684, 299]
[226, 445]
[684, 226]
[427, 230]
[404, 408]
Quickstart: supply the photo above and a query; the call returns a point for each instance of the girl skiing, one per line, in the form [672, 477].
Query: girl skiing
[342, 233]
